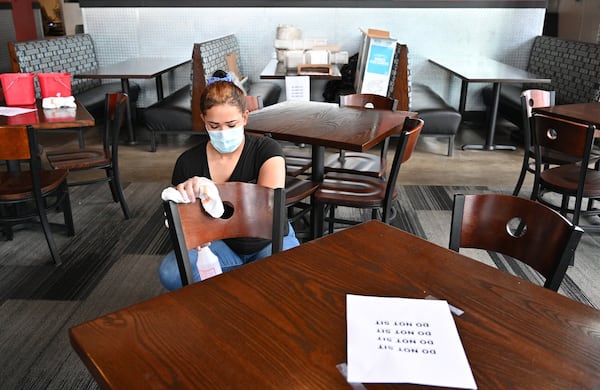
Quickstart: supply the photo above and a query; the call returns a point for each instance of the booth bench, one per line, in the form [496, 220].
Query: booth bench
[73, 54]
[441, 119]
[179, 113]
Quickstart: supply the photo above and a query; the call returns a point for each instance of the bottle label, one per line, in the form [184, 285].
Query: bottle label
[208, 264]
[208, 272]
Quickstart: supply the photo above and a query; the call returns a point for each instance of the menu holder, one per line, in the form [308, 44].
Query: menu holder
[315, 69]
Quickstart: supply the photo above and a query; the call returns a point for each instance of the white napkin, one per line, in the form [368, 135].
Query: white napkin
[209, 197]
[58, 102]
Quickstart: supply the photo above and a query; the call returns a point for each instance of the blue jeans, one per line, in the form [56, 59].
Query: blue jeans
[168, 272]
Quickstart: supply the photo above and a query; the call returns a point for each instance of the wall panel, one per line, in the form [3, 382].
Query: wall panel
[505, 34]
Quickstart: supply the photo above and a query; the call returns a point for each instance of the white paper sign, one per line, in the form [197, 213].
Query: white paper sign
[402, 340]
[297, 88]
[14, 111]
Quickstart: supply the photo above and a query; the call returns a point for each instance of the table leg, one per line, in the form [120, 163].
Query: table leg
[128, 112]
[317, 208]
[159, 88]
[463, 97]
[493, 113]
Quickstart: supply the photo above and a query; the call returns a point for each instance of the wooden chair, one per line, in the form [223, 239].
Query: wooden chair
[105, 158]
[297, 163]
[530, 99]
[577, 180]
[368, 192]
[27, 195]
[357, 162]
[250, 211]
[520, 228]
[297, 191]
[253, 103]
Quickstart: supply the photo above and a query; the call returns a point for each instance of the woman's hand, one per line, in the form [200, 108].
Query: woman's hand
[192, 188]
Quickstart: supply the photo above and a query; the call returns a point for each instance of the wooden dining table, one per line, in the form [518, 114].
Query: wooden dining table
[486, 70]
[135, 68]
[54, 119]
[280, 323]
[582, 112]
[325, 125]
[49, 119]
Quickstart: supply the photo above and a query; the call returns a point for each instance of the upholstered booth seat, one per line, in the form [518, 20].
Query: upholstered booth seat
[441, 119]
[269, 92]
[176, 114]
[172, 113]
[93, 98]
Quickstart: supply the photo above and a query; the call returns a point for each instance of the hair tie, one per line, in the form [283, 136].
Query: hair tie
[214, 79]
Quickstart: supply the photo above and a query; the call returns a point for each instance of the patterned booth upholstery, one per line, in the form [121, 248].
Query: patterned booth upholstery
[73, 54]
[572, 66]
[180, 112]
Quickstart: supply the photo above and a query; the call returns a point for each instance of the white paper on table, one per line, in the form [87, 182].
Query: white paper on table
[14, 111]
[402, 340]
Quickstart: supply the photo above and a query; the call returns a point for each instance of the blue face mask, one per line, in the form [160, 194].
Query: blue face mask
[226, 141]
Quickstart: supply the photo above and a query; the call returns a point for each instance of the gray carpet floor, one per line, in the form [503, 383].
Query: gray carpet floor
[111, 263]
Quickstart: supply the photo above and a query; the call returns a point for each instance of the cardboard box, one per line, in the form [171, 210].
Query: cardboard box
[375, 60]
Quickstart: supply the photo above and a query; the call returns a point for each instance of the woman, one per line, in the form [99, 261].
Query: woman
[227, 155]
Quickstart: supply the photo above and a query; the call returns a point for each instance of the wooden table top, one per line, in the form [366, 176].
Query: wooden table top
[481, 69]
[585, 112]
[280, 322]
[48, 119]
[134, 68]
[326, 124]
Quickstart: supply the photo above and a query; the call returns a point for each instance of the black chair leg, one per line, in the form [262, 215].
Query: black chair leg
[111, 184]
[67, 211]
[48, 234]
[120, 195]
[331, 218]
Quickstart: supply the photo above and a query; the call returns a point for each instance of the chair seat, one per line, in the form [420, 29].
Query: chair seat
[553, 157]
[297, 164]
[565, 177]
[365, 163]
[297, 189]
[79, 158]
[18, 187]
[352, 190]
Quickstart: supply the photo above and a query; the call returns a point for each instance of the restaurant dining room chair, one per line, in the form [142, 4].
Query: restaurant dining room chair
[296, 163]
[362, 162]
[297, 189]
[27, 190]
[356, 190]
[530, 99]
[253, 103]
[104, 158]
[575, 182]
[525, 230]
[297, 202]
[251, 210]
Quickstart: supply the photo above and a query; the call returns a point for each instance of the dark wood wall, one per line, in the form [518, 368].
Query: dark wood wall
[320, 3]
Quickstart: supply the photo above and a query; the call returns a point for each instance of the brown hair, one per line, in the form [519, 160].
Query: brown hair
[222, 92]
